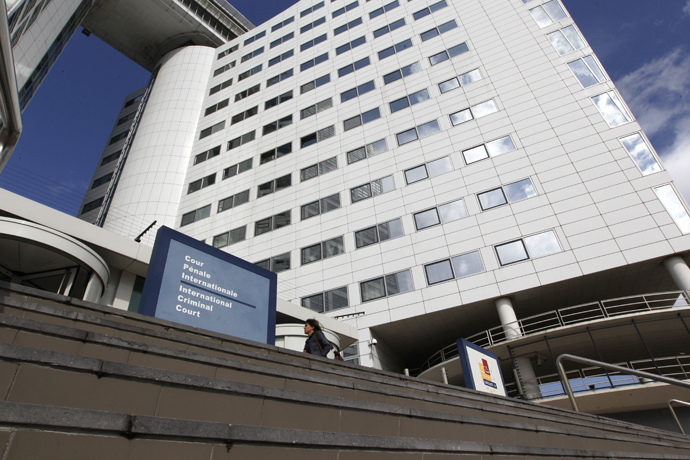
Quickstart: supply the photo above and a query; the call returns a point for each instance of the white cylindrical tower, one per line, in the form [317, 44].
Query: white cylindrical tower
[152, 179]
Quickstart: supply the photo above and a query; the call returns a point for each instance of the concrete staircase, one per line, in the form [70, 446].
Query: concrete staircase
[80, 380]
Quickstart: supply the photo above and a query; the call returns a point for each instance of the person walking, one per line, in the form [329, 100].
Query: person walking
[317, 343]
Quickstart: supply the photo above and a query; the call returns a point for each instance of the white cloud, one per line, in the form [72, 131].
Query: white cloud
[686, 8]
[655, 91]
[658, 94]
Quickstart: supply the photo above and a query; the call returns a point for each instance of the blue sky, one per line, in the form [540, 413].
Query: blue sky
[643, 45]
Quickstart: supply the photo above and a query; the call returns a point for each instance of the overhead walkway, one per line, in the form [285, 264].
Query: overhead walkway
[81, 380]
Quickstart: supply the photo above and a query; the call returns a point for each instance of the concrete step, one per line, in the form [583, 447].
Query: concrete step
[60, 354]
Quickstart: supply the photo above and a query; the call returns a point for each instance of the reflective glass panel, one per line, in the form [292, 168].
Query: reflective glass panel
[333, 247]
[641, 154]
[560, 43]
[460, 117]
[573, 37]
[311, 254]
[540, 16]
[438, 272]
[366, 237]
[389, 230]
[611, 109]
[399, 282]
[452, 211]
[440, 166]
[554, 10]
[407, 136]
[542, 244]
[337, 298]
[426, 219]
[583, 73]
[668, 197]
[519, 190]
[467, 264]
[449, 85]
[427, 129]
[485, 108]
[373, 289]
[470, 77]
[512, 252]
[475, 154]
[314, 303]
[500, 146]
[491, 199]
[416, 174]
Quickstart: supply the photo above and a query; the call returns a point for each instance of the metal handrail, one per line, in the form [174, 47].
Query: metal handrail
[612, 367]
[670, 406]
[566, 316]
[11, 114]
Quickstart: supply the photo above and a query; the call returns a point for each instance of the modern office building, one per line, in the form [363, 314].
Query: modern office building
[421, 171]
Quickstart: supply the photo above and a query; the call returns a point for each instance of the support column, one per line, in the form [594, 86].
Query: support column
[523, 365]
[679, 271]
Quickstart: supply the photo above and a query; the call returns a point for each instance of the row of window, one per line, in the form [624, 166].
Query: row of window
[456, 267]
[377, 33]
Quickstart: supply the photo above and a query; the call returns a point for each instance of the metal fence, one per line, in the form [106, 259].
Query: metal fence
[568, 316]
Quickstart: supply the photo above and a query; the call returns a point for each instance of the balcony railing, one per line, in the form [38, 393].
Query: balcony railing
[568, 316]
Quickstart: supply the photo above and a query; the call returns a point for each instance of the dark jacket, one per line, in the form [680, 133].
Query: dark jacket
[311, 347]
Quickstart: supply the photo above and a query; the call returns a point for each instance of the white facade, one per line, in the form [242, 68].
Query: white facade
[544, 190]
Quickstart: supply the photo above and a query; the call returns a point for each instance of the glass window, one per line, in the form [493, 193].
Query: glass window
[336, 298]
[611, 108]
[333, 247]
[360, 193]
[371, 115]
[500, 146]
[372, 289]
[484, 108]
[566, 40]
[458, 50]
[475, 154]
[491, 199]
[399, 104]
[512, 252]
[641, 154]
[280, 263]
[542, 244]
[310, 210]
[366, 237]
[452, 211]
[400, 282]
[407, 136]
[587, 71]
[548, 13]
[438, 272]
[262, 226]
[449, 85]
[427, 129]
[460, 117]
[311, 254]
[426, 219]
[390, 230]
[467, 264]
[440, 166]
[416, 174]
[470, 77]
[674, 206]
[520, 190]
[314, 303]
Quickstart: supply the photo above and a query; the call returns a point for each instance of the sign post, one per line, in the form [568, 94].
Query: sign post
[480, 368]
[192, 283]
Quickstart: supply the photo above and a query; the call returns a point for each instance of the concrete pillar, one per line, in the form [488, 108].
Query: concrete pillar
[511, 328]
[509, 320]
[679, 271]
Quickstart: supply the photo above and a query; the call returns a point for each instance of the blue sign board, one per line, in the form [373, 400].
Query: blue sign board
[480, 368]
[192, 283]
